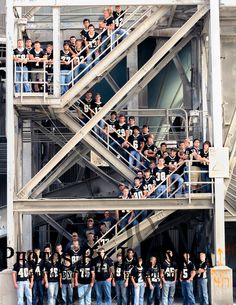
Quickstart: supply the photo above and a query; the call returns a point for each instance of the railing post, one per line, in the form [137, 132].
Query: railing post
[56, 51]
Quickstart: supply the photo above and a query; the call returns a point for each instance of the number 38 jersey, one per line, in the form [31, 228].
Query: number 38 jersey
[169, 270]
[160, 174]
[22, 271]
[186, 270]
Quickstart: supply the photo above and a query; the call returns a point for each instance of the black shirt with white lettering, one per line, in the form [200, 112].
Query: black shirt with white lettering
[75, 255]
[161, 174]
[38, 269]
[52, 270]
[139, 274]
[84, 268]
[169, 270]
[203, 265]
[102, 268]
[129, 264]
[85, 107]
[84, 34]
[150, 148]
[153, 273]
[22, 270]
[119, 17]
[149, 183]
[136, 142]
[40, 54]
[92, 40]
[20, 54]
[95, 107]
[119, 274]
[67, 274]
[137, 192]
[65, 56]
[204, 154]
[104, 238]
[172, 161]
[186, 270]
[121, 130]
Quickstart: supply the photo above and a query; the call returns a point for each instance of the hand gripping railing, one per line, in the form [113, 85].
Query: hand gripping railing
[108, 137]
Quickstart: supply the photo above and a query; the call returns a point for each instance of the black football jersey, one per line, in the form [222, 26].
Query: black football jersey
[53, 271]
[121, 129]
[154, 273]
[75, 255]
[119, 274]
[172, 161]
[84, 268]
[96, 107]
[169, 270]
[85, 107]
[137, 192]
[203, 265]
[67, 274]
[38, 269]
[139, 274]
[150, 148]
[204, 154]
[23, 270]
[149, 183]
[66, 56]
[21, 54]
[92, 40]
[36, 54]
[102, 268]
[136, 142]
[186, 270]
[84, 34]
[129, 264]
[119, 17]
[108, 21]
[161, 174]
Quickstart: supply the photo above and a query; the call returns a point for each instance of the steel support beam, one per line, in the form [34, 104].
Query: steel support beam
[110, 2]
[56, 226]
[10, 130]
[112, 82]
[216, 102]
[70, 206]
[56, 52]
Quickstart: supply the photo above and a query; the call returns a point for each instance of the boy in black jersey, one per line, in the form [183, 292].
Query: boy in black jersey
[161, 172]
[23, 280]
[66, 73]
[104, 270]
[149, 150]
[162, 152]
[95, 108]
[92, 41]
[84, 32]
[67, 280]
[38, 55]
[121, 132]
[168, 277]
[108, 26]
[187, 273]
[145, 132]
[202, 279]
[20, 56]
[75, 252]
[119, 281]
[111, 125]
[85, 107]
[135, 147]
[129, 263]
[149, 184]
[90, 247]
[49, 67]
[137, 192]
[103, 236]
[38, 270]
[84, 279]
[72, 44]
[80, 60]
[204, 165]
[131, 126]
[51, 278]
[119, 15]
[153, 282]
[138, 278]
[173, 163]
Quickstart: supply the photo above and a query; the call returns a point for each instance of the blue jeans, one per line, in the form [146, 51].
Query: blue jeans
[24, 290]
[161, 191]
[103, 287]
[134, 159]
[84, 294]
[66, 76]
[154, 295]
[203, 291]
[105, 44]
[179, 180]
[92, 55]
[121, 32]
[81, 67]
[67, 294]
[121, 297]
[98, 129]
[205, 177]
[187, 292]
[37, 292]
[19, 71]
[139, 294]
[130, 293]
[168, 292]
[52, 293]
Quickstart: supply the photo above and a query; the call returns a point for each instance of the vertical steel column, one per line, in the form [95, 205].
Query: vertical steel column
[10, 130]
[56, 51]
[216, 102]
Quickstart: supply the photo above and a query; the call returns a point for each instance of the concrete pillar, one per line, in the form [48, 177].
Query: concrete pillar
[7, 290]
[221, 276]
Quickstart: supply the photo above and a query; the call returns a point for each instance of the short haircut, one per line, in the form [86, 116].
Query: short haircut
[37, 42]
[121, 115]
[196, 140]
[80, 40]
[91, 26]
[72, 37]
[131, 117]
[145, 126]
[86, 19]
[98, 94]
[163, 144]
[173, 149]
[208, 143]
[66, 43]
[137, 178]
[150, 136]
[147, 170]
[19, 39]
[28, 39]
[113, 113]
[136, 127]
[130, 250]
[126, 188]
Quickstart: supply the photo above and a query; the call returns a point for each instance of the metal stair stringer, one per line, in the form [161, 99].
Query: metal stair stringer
[98, 148]
[141, 230]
